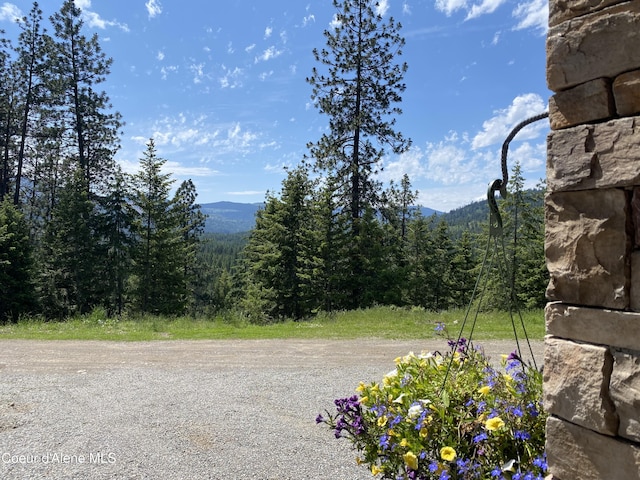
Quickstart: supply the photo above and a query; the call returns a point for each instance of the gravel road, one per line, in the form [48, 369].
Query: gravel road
[204, 409]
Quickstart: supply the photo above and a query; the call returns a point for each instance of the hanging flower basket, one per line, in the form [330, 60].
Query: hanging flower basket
[448, 416]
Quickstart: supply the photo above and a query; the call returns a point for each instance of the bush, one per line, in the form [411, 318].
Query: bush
[451, 416]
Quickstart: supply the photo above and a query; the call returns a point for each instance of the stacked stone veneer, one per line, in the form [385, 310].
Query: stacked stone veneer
[592, 348]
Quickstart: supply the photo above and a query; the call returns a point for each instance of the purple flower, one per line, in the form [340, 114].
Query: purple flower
[319, 418]
[496, 473]
[541, 463]
[480, 437]
[522, 435]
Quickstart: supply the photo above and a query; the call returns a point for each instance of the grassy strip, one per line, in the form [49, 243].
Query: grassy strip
[379, 322]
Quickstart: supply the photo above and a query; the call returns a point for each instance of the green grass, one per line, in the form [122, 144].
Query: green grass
[380, 322]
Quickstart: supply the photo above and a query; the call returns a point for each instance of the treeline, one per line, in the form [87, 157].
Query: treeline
[75, 232]
[298, 260]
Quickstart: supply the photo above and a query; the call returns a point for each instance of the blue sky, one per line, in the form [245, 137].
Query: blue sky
[221, 88]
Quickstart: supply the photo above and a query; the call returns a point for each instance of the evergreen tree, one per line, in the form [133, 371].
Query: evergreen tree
[277, 272]
[17, 294]
[359, 92]
[69, 261]
[190, 223]
[158, 268]
[440, 274]
[80, 65]
[32, 50]
[9, 101]
[462, 277]
[115, 220]
[419, 244]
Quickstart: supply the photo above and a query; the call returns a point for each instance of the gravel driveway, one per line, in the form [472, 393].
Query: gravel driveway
[185, 409]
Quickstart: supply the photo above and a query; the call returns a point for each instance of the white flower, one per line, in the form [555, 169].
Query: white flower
[414, 411]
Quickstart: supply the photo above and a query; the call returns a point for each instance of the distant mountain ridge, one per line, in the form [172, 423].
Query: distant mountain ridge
[234, 217]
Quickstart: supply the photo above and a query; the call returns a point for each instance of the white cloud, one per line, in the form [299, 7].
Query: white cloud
[410, 163]
[154, 8]
[382, 7]
[486, 7]
[270, 53]
[267, 32]
[308, 19]
[198, 72]
[93, 19]
[533, 14]
[231, 78]
[165, 71]
[160, 55]
[530, 14]
[264, 75]
[530, 157]
[496, 129]
[406, 8]
[9, 12]
[448, 7]
[250, 48]
[335, 23]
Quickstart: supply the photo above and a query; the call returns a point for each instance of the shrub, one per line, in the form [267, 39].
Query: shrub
[448, 416]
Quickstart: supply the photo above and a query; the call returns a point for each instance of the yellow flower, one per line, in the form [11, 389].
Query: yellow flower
[382, 421]
[359, 461]
[410, 460]
[404, 442]
[507, 378]
[364, 400]
[484, 390]
[424, 432]
[375, 470]
[494, 424]
[361, 388]
[448, 454]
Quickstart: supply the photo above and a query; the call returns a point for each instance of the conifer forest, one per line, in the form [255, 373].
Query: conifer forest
[78, 234]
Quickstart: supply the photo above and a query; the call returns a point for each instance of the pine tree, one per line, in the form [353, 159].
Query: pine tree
[190, 222]
[17, 288]
[80, 65]
[115, 222]
[279, 256]
[159, 282]
[32, 50]
[70, 265]
[359, 92]
[9, 100]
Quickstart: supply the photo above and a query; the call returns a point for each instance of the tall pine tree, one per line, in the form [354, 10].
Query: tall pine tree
[158, 269]
[358, 86]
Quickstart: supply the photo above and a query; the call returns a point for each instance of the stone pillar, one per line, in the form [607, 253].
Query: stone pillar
[592, 241]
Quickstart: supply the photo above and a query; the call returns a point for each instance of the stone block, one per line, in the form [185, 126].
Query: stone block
[587, 248]
[593, 325]
[585, 103]
[635, 216]
[574, 452]
[576, 384]
[634, 291]
[594, 156]
[626, 91]
[601, 44]
[625, 392]
[562, 10]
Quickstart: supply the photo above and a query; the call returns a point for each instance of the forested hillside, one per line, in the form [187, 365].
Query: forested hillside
[78, 234]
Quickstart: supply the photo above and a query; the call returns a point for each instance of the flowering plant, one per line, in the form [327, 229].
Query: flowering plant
[451, 416]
